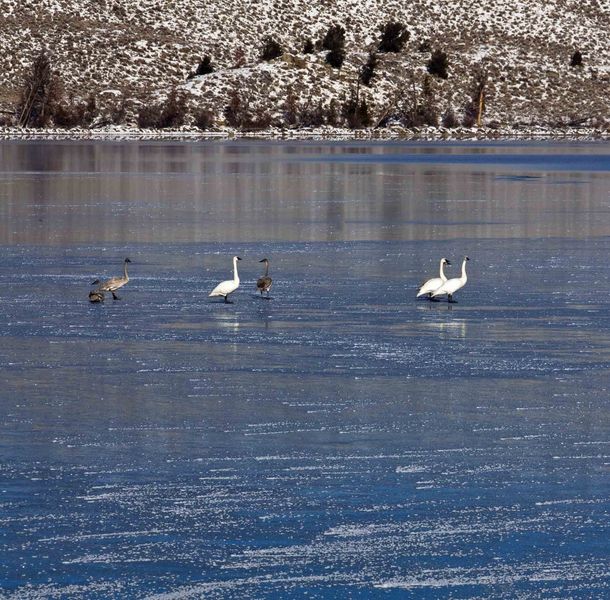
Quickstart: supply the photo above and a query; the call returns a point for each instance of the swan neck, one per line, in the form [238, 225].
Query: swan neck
[442, 271]
[464, 270]
[235, 274]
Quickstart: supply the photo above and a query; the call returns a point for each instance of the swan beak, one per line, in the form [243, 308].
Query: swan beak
[127, 260]
[466, 258]
[237, 257]
[448, 262]
[264, 260]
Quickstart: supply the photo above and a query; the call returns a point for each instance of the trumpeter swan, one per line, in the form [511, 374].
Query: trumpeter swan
[433, 284]
[111, 285]
[227, 287]
[264, 283]
[453, 285]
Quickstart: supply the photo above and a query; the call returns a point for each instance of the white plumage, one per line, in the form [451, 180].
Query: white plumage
[452, 285]
[230, 285]
[433, 284]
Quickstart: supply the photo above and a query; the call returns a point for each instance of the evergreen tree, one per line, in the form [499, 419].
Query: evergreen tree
[308, 47]
[334, 42]
[271, 49]
[438, 63]
[368, 69]
[40, 94]
[393, 37]
[576, 60]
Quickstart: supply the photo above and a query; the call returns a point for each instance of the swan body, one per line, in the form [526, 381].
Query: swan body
[113, 284]
[264, 283]
[433, 284]
[227, 287]
[453, 285]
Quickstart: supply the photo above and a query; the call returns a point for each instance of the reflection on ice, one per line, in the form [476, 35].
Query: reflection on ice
[341, 440]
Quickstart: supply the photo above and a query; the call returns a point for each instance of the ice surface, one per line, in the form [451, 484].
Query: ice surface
[339, 440]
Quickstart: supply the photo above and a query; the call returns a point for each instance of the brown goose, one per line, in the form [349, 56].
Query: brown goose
[264, 283]
[96, 296]
[111, 285]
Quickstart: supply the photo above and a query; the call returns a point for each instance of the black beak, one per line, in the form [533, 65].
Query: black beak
[127, 260]
[95, 282]
[264, 260]
[237, 257]
[448, 262]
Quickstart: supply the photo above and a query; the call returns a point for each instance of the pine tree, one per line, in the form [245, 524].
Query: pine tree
[271, 49]
[438, 63]
[393, 37]
[40, 94]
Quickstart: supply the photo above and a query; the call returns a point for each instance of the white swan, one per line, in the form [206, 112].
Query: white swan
[433, 284]
[453, 285]
[227, 287]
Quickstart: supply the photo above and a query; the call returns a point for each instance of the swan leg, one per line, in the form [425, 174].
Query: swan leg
[227, 301]
[450, 299]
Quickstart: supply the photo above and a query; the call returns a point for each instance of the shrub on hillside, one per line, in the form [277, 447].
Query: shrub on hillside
[355, 113]
[394, 35]
[312, 116]
[438, 64]
[148, 116]
[170, 113]
[75, 114]
[173, 111]
[290, 108]
[205, 67]
[239, 57]
[576, 60]
[368, 69]
[239, 113]
[335, 58]
[204, 119]
[308, 47]
[271, 49]
[450, 120]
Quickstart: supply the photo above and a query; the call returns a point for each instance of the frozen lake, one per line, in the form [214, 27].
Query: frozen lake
[341, 440]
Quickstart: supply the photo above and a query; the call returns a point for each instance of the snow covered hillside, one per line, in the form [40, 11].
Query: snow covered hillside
[134, 53]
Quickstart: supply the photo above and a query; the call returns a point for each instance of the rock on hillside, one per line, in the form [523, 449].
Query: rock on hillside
[136, 52]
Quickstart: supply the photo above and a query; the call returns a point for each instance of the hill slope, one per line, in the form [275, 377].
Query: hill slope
[136, 51]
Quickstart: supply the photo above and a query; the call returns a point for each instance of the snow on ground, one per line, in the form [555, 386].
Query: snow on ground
[146, 48]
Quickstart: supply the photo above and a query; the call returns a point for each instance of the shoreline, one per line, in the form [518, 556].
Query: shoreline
[424, 134]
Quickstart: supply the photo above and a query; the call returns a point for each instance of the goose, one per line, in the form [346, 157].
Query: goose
[227, 287]
[264, 283]
[433, 284]
[113, 284]
[453, 285]
[96, 296]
